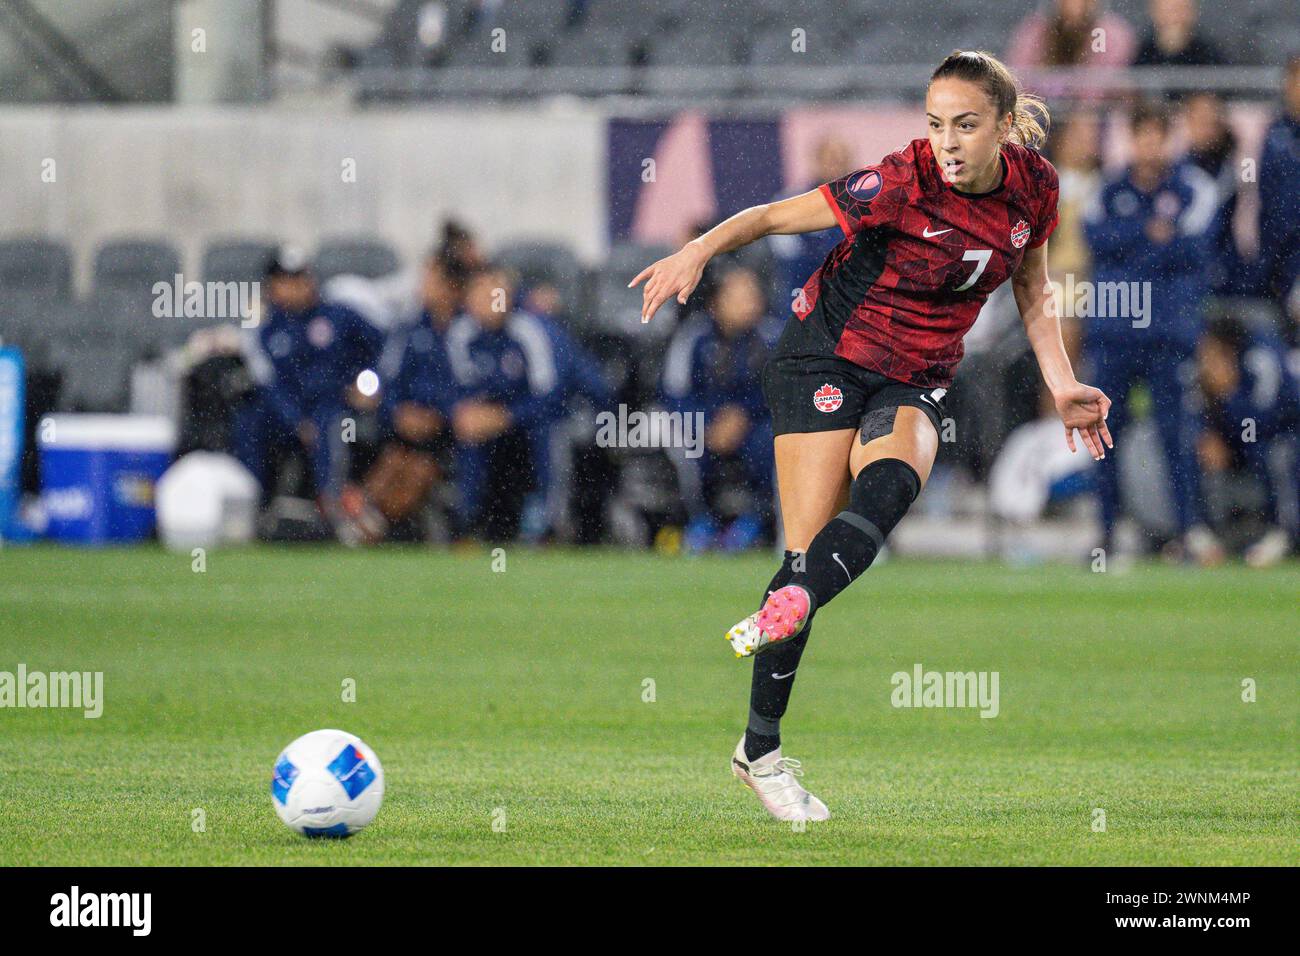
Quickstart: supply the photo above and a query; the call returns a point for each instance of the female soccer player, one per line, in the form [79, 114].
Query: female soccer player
[856, 383]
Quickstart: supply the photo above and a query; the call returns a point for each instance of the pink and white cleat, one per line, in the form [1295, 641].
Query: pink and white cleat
[782, 616]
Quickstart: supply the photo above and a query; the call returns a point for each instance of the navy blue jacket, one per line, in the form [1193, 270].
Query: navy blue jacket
[1266, 394]
[415, 369]
[704, 370]
[305, 361]
[1115, 227]
[1279, 206]
[515, 366]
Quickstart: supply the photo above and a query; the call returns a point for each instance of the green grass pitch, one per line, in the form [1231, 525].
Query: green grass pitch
[519, 698]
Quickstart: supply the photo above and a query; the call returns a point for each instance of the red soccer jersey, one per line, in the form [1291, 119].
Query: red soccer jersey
[919, 258]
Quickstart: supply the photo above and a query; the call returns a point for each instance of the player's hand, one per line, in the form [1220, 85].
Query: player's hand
[1160, 231]
[729, 427]
[475, 422]
[1085, 408]
[677, 275]
[360, 400]
[1213, 452]
[415, 422]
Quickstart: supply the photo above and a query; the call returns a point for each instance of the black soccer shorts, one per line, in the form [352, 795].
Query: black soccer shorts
[825, 392]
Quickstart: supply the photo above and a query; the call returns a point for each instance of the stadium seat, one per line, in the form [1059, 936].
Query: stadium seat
[574, 65]
[368, 257]
[236, 260]
[682, 61]
[118, 316]
[893, 45]
[134, 265]
[96, 378]
[537, 20]
[772, 63]
[618, 308]
[550, 262]
[627, 16]
[773, 46]
[758, 257]
[25, 323]
[30, 264]
[92, 356]
[577, 50]
[30, 323]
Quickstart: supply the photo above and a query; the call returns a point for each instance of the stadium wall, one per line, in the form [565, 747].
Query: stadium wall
[190, 174]
[575, 174]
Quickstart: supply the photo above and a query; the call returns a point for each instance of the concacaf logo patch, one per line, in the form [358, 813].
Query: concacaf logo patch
[865, 186]
[828, 398]
[1020, 234]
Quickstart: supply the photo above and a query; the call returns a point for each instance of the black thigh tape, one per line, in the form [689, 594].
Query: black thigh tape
[877, 423]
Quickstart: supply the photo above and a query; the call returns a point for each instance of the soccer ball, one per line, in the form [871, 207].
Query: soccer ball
[327, 784]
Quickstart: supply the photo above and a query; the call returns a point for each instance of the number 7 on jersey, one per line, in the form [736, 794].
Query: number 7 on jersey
[979, 256]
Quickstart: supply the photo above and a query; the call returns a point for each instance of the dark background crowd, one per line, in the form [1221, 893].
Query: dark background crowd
[467, 404]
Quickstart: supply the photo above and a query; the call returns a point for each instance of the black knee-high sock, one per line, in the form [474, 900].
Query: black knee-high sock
[841, 551]
[878, 499]
[769, 689]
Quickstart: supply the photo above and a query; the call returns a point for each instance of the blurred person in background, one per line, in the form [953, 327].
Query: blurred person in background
[799, 255]
[698, 305]
[1065, 33]
[1252, 404]
[1212, 147]
[1148, 232]
[582, 380]
[417, 396]
[305, 356]
[1279, 204]
[1076, 153]
[398, 298]
[714, 367]
[544, 300]
[505, 370]
[1174, 39]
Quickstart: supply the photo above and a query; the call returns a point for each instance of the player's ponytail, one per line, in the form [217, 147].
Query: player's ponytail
[1029, 117]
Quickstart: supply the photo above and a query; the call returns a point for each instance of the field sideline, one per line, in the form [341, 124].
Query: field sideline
[518, 697]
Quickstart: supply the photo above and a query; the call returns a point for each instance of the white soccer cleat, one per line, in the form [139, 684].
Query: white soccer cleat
[782, 616]
[1268, 550]
[1203, 546]
[773, 778]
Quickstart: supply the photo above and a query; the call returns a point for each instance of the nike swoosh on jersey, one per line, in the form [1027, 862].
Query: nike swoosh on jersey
[930, 235]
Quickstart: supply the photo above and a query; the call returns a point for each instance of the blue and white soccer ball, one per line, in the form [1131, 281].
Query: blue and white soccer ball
[327, 784]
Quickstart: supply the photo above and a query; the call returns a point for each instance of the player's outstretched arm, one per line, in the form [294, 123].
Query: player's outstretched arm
[679, 274]
[1080, 406]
